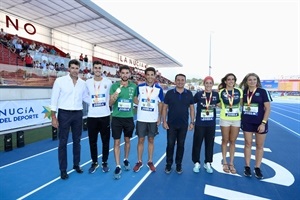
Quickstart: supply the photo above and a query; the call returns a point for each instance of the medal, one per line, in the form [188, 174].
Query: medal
[96, 99]
[148, 102]
[207, 102]
[97, 90]
[119, 89]
[230, 99]
[249, 98]
[149, 95]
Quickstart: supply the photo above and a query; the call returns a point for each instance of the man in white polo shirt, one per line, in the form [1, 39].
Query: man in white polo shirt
[149, 99]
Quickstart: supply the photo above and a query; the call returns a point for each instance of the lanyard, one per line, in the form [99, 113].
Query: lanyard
[230, 97]
[249, 97]
[97, 90]
[149, 94]
[207, 100]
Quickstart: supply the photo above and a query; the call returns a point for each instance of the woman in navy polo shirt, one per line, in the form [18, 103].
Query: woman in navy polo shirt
[255, 114]
[205, 125]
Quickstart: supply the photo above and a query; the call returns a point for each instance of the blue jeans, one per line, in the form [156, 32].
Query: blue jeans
[175, 134]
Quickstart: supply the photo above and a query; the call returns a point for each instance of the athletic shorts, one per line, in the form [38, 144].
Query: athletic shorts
[144, 129]
[119, 125]
[248, 127]
[227, 123]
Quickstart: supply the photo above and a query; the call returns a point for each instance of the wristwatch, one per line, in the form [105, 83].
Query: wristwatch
[192, 123]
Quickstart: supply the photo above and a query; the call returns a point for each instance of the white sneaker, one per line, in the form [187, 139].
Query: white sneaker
[197, 167]
[208, 168]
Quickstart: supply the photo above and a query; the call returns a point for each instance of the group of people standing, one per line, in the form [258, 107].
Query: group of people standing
[246, 107]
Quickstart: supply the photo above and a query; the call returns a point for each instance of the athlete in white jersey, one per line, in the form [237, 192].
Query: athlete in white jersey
[149, 99]
[98, 116]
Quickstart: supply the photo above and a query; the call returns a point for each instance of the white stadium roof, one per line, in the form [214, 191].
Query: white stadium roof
[93, 25]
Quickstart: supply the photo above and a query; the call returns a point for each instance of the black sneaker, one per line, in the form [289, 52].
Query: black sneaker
[94, 167]
[168, 169]
[126, 165]
[258, 173]
[247, 171]
[118, 172]
[179, 169]
[105, 167]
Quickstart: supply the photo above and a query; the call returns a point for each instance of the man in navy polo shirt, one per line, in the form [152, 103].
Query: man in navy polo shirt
[178, 104]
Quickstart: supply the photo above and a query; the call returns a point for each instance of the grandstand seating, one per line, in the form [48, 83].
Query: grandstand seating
[8, 57]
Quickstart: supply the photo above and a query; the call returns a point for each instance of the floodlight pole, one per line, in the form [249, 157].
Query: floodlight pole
[209, 68]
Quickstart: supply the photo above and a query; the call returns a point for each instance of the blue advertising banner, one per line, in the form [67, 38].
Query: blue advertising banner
[270, 84]
[15, 114]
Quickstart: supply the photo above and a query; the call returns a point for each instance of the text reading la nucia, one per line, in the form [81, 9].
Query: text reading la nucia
[17, 114]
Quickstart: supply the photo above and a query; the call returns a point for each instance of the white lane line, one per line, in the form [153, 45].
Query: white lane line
[24, 159]
[58, 178]
[228, 194]
[143, 179]
[298, 134]
[286, 116]
[1, 167]
[285, 110]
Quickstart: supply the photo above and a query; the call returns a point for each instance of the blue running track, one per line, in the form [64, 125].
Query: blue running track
[32, 172]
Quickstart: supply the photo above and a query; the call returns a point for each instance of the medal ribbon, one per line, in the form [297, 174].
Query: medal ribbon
[230, 97]
[96, 90]
[149, 94]
[207, 100]
[249, 97]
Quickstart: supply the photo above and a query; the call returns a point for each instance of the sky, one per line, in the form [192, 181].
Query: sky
[260, 36]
